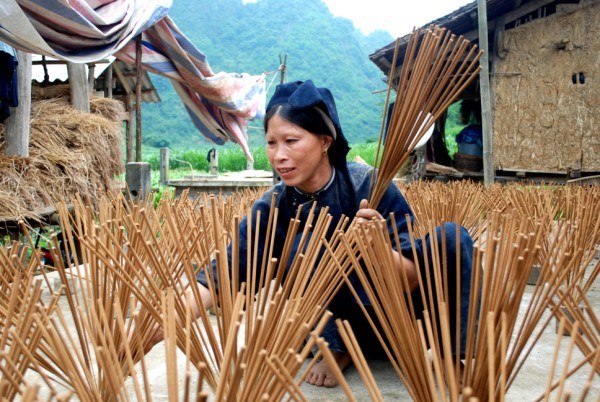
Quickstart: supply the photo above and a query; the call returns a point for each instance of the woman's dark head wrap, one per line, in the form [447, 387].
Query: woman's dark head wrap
[310, 108]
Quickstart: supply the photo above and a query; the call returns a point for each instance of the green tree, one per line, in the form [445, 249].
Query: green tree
[249, 38]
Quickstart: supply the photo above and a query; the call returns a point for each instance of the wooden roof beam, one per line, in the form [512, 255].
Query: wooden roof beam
[122, 78]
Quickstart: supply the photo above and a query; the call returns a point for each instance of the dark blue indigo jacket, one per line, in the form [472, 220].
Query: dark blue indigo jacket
[342, 197]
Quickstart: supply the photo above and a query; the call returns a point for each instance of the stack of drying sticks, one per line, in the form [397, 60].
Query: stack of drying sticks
[132, 275]
[137, 261]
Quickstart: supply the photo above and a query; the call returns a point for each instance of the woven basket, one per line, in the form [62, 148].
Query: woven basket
[468, 163]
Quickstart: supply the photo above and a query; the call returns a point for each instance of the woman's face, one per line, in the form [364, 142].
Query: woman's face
[297, 155]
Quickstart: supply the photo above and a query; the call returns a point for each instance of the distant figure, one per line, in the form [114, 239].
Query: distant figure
[213, 161]
[470, 138]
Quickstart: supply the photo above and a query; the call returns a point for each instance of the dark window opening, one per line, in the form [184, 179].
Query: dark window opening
[578, 78]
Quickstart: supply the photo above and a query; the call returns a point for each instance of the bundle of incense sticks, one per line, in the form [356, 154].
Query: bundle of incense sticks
[578, 319]
[132, 254]
[462, 202]
[558, 389]
[580, 206]
[20, 332]
[420, 350]
[280, 315]
[137, 266]
[437, 67]
[136, 262]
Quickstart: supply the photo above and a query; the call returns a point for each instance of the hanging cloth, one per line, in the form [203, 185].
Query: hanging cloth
[83, 31]
[9, 96]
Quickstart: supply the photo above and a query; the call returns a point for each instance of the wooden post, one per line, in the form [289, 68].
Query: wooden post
[138, 177]
[283, 69]
[91, 78]
[486, 106]
[17, 125]
[108, 82]
[164, 166]
[129, 154]
[78, 86]
[138, 99]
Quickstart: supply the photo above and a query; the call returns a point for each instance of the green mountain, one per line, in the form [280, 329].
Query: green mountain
[250, 38]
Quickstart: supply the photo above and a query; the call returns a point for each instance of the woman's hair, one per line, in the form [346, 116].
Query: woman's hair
[311, 120]
[308, 118]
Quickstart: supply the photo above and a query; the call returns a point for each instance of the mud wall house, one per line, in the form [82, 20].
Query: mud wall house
[544, 70]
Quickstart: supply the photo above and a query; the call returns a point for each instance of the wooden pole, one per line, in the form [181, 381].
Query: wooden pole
[91, 77]
[78, 86]
[283, 69]
[129, 130]
[108, 83]
[486, 106]
[164, 166]
[17, 125]
[138, 99]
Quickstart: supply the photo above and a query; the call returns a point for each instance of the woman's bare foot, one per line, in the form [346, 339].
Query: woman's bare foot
[322, 376]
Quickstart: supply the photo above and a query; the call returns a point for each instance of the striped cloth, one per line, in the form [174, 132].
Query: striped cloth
[83, 31]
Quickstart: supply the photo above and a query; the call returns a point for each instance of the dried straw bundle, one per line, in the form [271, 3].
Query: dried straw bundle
[106, 107]
[70, 153]
[51, 91]
[437, 67]
[21, 188]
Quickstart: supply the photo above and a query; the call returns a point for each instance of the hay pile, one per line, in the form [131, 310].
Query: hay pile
[70, 153]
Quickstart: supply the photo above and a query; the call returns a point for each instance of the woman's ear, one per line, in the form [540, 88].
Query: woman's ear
[327, 141]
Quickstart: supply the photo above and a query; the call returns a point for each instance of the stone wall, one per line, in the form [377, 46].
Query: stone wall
[543, 122]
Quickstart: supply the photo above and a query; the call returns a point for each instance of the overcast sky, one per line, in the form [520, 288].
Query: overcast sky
[398, 17]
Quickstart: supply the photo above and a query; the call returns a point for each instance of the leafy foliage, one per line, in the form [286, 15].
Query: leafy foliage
[249, 38]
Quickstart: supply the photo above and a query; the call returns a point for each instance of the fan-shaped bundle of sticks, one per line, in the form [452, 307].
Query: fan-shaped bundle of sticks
[132, 278]
[462, 202]
[567, 212]
[20, 331]
[578, 319]
[437, 67]
[136, 262]
[497, 342]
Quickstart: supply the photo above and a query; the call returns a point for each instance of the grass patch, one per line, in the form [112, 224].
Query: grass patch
[184, 162]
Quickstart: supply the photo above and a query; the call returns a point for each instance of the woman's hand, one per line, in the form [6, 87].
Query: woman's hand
[366, 214]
